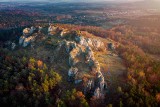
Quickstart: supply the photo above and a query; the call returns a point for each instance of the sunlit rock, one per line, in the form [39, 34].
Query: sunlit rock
[97, 93]
[52, 29]
[72, 73]
[64, 32]
[28, 40]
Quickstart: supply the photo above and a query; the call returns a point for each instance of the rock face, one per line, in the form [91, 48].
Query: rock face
[21, 40]
[28, 40]
[97, 44]
[52, 29]
[89, 56]
[97, 93]
[69, 46]
[64, 32]
[72, 74]
[28, 31]
[100, 82]
[40, 29]
[80, 50]
[25, 40]
[94, 43]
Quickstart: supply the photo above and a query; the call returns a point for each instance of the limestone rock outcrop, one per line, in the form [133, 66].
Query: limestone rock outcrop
[28, 31]
[94, 43]
[52, 30]
[26, 39]
[72, 73]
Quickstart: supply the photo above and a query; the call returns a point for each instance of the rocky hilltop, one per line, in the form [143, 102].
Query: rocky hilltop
[75, 52]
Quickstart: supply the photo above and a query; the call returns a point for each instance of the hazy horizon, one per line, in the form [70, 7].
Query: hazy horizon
[74, 0]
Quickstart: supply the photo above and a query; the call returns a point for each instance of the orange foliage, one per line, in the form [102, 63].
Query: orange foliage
[79, 94]
[39, 63]
[153, 78]
[141, 74]
[158, 97]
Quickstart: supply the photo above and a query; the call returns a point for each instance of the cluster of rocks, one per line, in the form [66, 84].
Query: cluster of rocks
[94, 43]
[28, 31]
[64, 32]
[26, 39]
[52, 30]
[76, 49]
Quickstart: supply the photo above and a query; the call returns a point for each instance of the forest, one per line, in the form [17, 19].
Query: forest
[28, 77]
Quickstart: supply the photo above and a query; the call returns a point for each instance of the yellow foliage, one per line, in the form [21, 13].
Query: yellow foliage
[141, 74]
[129, 77]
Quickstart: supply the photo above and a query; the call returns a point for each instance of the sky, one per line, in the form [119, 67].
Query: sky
[70, 0]
[78, 0]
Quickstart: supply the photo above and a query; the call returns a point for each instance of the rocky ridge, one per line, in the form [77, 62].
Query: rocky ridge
[79, 52]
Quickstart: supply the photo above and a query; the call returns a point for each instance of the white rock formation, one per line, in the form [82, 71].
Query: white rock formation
[28, 40]
[21, 40]
[101, 81]
[89, 53]
[69, 45]
[90, 85]
[52, 29]
[94, 43]
[40, 28]
[13, 45]
[64, 32]
[72, 73]
[81, 40]
[97, 93]
[32, 29]
[26, 31]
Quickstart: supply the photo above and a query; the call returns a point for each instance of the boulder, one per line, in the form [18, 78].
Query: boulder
[21, 40]
[69, 45]
[101, 81]
[64, 32]
[89, 41]
[28, 40]
[81, 40]
[97, 44]
[32, 29]
[72, 73]
[52, 29]
[89, 56]
[97, 93]
[26, 31]
[40, 28]
[90, 85]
